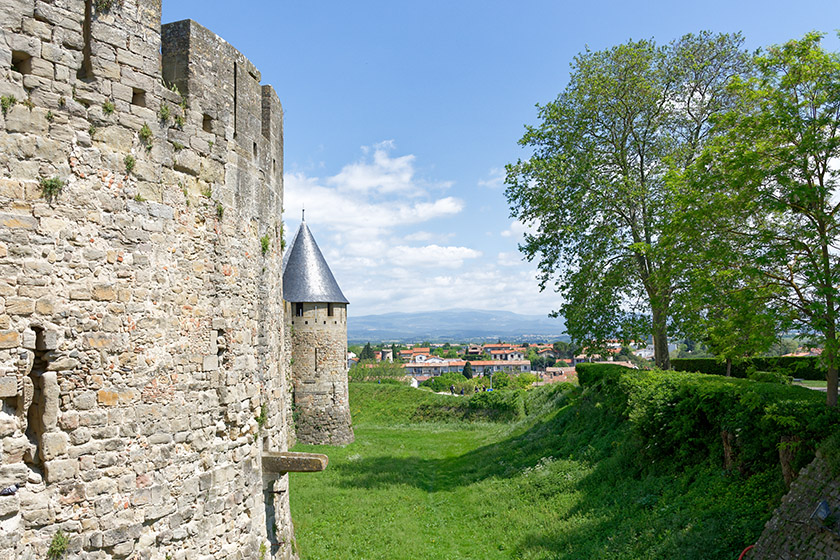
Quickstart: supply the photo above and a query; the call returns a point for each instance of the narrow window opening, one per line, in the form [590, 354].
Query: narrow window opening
[330, 310]
[207, 123]
[86, 71]
[299, 310]
[235, 73]
[35, 415]
[316, 359]
[274, 166]
[221, 347]
[138, 97]
[21, 62]
[255, 149]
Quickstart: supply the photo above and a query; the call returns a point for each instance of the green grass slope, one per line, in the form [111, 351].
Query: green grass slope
[570, 481]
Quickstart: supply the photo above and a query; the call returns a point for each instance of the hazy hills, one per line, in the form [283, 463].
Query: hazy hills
[454, 325]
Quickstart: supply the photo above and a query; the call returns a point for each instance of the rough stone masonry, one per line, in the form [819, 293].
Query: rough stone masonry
[141, 312]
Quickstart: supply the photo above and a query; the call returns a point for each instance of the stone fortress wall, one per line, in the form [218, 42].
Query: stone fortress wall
[141, 328]
[317, 340]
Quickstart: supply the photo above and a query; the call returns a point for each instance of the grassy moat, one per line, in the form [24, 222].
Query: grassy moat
[563, 483]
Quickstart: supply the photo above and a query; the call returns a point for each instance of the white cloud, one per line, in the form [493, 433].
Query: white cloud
[516, 230]
[396, 243]
[509, 259]
[494, 180]
[446, 257]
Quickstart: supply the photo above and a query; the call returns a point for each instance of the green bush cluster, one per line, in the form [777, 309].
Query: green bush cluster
[808, 367]
[684, 416]
[497, 405]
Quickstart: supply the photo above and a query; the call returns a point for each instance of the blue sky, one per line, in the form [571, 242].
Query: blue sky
[400, 118]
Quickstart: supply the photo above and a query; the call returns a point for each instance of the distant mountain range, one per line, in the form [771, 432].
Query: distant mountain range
[454, 325]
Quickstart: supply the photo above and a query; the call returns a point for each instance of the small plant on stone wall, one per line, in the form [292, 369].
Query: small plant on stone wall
[178, 146]
[210, 143]
[28, 103]
[50, 116]
[103, 6]
[7, 102]
[145, 135]
[92, 131]
[62, 101]
[108, 107]
[51, 188]
[179, 121]
[207, 191]
[139, 198]
[282, 236]
[263, 550]
[263, 417]
[265, 242]
[165, 112]
[58, 545]
[129, 163]
[220, 210]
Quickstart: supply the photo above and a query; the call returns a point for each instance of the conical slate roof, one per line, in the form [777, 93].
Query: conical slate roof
[306, 276]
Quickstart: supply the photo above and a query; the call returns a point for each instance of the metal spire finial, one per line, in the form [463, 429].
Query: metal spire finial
[302, 214]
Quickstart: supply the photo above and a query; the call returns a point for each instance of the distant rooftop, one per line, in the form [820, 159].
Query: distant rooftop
[306, 275]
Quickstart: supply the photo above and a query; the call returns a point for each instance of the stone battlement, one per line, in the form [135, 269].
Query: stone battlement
[141, 313]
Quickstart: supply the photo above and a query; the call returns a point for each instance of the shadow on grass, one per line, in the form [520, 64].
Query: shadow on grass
[620, 513]
[561, 434]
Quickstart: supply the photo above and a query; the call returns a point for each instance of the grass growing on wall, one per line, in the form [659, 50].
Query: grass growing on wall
[564, 483]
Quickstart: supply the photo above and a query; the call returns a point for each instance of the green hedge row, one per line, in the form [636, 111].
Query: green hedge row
[689, 416]
[803, 368]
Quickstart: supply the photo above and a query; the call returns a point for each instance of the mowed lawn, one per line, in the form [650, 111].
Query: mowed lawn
[555, 487]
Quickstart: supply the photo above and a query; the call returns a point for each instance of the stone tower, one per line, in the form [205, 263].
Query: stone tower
[316, 321]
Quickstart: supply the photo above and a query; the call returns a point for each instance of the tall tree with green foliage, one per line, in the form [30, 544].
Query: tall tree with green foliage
[367, 353]
[594, 190]
[768, 186]
[468, 371]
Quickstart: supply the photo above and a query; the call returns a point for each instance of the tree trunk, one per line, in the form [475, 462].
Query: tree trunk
[728, 367]
[787, 451]
[830, 353]
[831, 375]
[660, 340]
[728, 449]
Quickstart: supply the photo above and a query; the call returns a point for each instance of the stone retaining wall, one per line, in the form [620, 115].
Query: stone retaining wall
[791, 533]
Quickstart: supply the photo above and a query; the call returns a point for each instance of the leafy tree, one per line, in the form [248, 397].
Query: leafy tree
[595, 189]
[468, 371]
[768, 186]
[367, 353]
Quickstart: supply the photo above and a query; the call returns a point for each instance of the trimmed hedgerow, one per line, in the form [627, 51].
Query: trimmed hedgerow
[687, 417]
[802, 367]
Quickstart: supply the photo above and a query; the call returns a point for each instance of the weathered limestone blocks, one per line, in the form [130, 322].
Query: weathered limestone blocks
[141, 326]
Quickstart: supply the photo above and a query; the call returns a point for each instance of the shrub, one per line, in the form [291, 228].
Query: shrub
[164, 112]
[51, 188]
[7, 102]
[108, 107]
[265, 242]
[145, 135]
[58, 545]
[801, 367]
[689, 416]
[498, 405]
[770, 377]
[129, 163]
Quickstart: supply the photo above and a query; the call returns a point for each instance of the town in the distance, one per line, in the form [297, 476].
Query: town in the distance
[480, 365]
